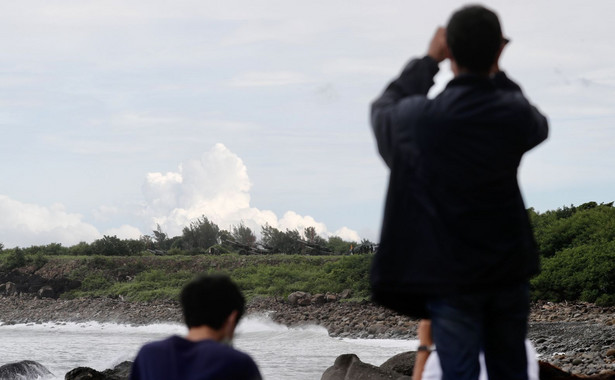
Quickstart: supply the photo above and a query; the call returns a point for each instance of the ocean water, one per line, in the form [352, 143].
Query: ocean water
[281, 353]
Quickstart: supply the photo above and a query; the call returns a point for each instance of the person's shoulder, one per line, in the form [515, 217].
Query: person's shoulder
[238, 363]
[158, 345]
[233, 352]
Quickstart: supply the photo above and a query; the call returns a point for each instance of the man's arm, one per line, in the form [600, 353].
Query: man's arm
[538, 127]
[424, 336]
[415, 79]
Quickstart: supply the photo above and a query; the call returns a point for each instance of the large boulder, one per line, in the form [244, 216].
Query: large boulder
[402, 363]
[25, 369]
[350, 367]
[119, 372]
[299, 298]
[84, 373]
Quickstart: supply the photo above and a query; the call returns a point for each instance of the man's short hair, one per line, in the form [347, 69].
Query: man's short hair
[209, 300]
[474, 37]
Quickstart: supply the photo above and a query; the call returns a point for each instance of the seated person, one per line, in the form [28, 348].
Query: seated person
[427, 363]
[212, 307]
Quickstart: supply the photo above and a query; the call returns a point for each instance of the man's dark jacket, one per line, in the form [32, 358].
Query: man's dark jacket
[454, 218]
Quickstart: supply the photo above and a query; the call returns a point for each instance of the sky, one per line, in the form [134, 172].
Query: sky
[120, 116]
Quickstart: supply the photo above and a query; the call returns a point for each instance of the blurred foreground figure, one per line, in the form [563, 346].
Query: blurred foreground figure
[427, 364]
[456, 243]
[212, 307]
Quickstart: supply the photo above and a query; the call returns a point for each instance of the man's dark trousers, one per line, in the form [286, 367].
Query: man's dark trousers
[497, 318]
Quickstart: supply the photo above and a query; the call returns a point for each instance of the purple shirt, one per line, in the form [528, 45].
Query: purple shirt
[176, 358]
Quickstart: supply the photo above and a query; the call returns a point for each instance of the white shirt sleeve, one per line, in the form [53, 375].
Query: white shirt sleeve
[433, 371]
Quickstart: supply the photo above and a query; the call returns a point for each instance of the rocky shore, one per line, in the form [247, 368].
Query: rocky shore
[577, 337]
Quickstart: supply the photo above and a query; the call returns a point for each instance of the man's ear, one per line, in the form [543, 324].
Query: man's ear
[232, 318]
[230, 323]
[496, 66]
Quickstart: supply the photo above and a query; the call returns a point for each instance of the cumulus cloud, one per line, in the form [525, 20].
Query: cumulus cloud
[124, 232]
[216, 186]
[347, 234]
[291, 220]
[26, 224]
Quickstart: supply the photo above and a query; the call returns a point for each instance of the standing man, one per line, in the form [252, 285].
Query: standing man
[456, 243]
[212, 307]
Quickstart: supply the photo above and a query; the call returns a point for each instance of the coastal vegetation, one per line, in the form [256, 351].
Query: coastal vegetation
[577, 250]
[576, 246]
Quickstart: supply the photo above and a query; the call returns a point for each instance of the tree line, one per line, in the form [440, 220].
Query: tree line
[202, 236]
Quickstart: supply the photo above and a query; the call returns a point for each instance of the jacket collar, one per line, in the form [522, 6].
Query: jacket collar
[471, 80]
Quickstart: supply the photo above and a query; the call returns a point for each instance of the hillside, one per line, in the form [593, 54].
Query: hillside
[142, 278]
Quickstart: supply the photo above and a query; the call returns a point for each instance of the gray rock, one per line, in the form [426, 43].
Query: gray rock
[345, 293]
[25, 369]
[350, 367]
[120, 372]
[293, 298]
[318, 299]
[401, 363]
[84, 373]
[304, 301]
[331, 297]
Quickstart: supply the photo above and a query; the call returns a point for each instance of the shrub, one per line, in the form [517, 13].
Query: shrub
[585, 273]
[15, 259]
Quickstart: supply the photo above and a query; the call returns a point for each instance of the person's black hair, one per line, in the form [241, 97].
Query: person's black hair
[209, 300]
[474, 37]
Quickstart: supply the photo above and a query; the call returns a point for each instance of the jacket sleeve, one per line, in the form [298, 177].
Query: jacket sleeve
[538, 126]
[538, 129]
[415, 80]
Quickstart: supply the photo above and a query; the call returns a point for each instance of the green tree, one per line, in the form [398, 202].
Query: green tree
[135, 246]
[15, 259]
[271, 238]
[110, 246]
[243, 235]
[338, 245]
[312, 237]
[54, 249]
[585, 273]
[200, 235]
[288, 242]
[160, 237]
[80, 249]
[573, 226]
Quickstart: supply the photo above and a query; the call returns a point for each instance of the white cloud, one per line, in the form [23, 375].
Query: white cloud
[347, 234]
[26, 224]
[124, 232]
[216, 186]
[291, 220]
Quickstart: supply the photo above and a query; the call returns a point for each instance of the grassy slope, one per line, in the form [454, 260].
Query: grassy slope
[153, 277]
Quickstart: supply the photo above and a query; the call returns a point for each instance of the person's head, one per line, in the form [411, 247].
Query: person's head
[210, 301]
[474, 38]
